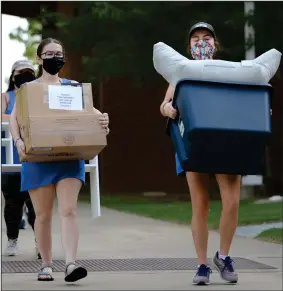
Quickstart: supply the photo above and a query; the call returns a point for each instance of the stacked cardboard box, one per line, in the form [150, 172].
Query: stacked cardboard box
[57, 122]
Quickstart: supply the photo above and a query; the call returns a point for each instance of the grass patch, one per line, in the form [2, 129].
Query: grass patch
[181, 211]
[272, 235]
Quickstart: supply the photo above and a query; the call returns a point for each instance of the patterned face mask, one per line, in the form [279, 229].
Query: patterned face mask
[202, 50]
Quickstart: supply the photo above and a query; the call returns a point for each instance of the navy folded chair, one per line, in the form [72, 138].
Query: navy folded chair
[221, 127]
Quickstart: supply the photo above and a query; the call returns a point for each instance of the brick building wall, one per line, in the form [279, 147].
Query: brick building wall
[140, 156]
[274, 180]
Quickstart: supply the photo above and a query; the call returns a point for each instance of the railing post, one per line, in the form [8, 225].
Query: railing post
[94, 188]
[7, 142]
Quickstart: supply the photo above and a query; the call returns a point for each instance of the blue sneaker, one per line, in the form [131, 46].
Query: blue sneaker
[226, 269]
[202, 275]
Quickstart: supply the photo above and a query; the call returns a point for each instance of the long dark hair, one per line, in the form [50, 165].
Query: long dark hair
[11, 85]
[40, 48]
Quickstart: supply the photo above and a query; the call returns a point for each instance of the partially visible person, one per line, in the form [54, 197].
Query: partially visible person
[22, 72]
[45, 179]
[23, 221]
[203, 45]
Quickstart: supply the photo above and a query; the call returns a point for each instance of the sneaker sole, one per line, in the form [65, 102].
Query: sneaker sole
[45, 279]
[201, 283]
[10, 255]
[217, 268]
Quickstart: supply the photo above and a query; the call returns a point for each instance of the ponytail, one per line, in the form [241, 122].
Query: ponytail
[11, 84]
[39, 73]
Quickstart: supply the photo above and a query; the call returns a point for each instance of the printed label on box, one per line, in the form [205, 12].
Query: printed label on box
[65, 97]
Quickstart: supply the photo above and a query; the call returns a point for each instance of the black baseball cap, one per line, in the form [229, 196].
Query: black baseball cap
[203, 25]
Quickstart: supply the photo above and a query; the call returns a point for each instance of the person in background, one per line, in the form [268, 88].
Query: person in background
[202, 45]
[23, 221]
[22, 72]
[43, 180]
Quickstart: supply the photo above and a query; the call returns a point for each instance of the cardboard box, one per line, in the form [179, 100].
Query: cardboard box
[57, 122]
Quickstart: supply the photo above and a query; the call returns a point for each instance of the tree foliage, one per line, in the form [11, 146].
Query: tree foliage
[30, 37]
[268, 23]
[117, 38]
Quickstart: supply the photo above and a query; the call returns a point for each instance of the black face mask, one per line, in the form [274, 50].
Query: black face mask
[53, 65]
[22, 78]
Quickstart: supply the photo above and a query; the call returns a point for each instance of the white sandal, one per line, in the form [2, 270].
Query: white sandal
[45, 273]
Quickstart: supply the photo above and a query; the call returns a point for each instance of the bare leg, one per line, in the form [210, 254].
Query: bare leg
[42, 200]
[67, 192]
[200, 207]
[230, 194]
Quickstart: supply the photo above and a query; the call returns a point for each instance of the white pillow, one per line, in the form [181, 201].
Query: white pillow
[174, 66]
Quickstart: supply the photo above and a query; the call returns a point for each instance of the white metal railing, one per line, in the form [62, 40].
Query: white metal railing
[252, 180]
[92, 168]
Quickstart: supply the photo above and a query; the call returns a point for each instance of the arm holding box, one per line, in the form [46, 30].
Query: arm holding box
[103, 119]
[4, 104]
[166, 107]
[15, 131]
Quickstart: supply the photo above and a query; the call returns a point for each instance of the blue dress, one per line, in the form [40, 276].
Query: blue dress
[35, 174]
[8, 111]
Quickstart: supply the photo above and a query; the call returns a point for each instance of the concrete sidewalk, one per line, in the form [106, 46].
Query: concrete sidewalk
[117, 235]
